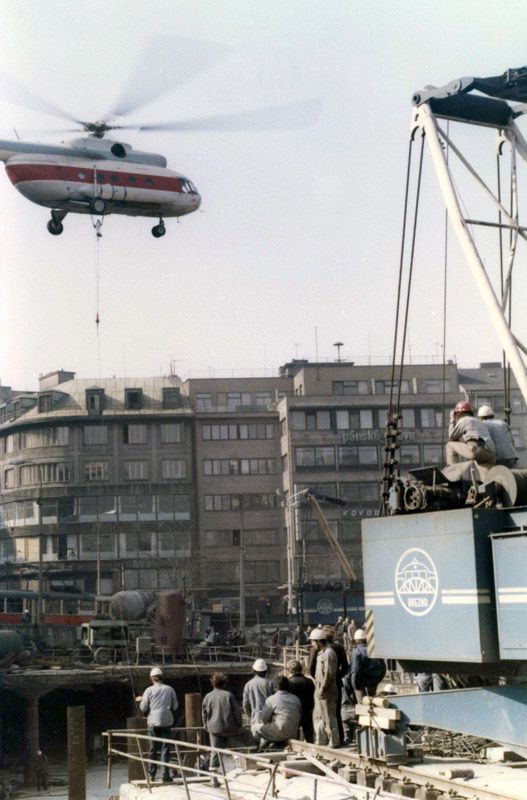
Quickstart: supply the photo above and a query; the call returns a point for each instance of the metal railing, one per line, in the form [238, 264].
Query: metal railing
[188, 767]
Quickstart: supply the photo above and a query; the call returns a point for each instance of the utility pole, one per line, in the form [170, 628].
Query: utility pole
[242, 573]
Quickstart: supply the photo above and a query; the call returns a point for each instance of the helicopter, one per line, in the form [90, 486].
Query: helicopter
[95, 175]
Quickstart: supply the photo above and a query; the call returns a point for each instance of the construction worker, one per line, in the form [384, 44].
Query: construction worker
[342, 668]
[256, 691]
[304, 688]
[469, 437]
[159, 701]
[325, 690]
[500, 432]
[365, 673]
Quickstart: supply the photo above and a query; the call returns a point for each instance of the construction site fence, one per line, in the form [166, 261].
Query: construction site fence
[189, 764]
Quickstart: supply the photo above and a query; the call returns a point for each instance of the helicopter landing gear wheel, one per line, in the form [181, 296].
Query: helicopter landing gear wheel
[159, 230]
[97, 205]
[55, 227]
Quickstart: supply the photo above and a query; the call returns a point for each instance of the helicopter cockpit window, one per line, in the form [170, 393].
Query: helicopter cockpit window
[187, 187]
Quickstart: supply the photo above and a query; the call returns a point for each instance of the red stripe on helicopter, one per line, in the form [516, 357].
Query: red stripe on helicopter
[20, 173]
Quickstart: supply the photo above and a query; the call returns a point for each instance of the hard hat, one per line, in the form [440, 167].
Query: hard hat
[260, 665]
[155, 672]
[389, 688]
[318, 634]
[463, 407]
[485, 411]
[360, 635]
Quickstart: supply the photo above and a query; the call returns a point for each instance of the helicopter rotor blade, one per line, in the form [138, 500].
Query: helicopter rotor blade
[171, 61]
[19, 94]
[291, 116]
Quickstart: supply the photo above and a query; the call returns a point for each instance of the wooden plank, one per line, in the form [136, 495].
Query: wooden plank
[386, 713]
[377, 722]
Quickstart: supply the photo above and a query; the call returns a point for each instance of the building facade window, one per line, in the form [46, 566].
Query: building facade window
[385, 387]
[136, 470]
[322, 456]
[135, 433]
[263, 399]
[95, 401]
[173, 468]
[409, 454]
[96, 471]
[351, 387]
[358, 456]
[204, 401]
[171, 397]
[236, 502]
[258, 430]
[239, 466]
[430, 418]
[34, 474]
[45, 403]
[95, 434]
[44, 437]
[133, 399]
[433, 453]
[360, 492]
[172, 432]
[9, 478]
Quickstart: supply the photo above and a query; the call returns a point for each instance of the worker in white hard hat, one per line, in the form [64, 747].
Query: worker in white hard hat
[366, 673]
[160, 702]
[500, 432]
[255, 693]
[325, 690]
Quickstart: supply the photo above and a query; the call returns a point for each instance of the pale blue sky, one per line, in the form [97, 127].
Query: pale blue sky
[298, 229]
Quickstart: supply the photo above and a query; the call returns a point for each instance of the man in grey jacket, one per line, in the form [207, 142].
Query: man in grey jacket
[280, 715]
[159, 701]
[501, 436]
[469, 438]
[222, 716]
[256, 691]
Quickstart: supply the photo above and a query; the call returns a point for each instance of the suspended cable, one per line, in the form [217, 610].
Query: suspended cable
[445, 275]
[98, 235]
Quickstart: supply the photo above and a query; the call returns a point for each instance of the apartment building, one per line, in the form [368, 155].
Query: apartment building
[157, 483]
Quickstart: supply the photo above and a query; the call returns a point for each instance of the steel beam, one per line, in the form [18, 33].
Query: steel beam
[497, 713]
[426, 120]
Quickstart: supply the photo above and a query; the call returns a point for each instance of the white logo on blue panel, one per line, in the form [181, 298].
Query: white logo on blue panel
[324, 606]
[416, 582]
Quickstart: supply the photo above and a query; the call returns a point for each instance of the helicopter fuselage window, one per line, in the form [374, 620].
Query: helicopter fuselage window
[115, 178]
[100, 177]
[131, 179]
[187, 187]
[149, 182]
[82, 175]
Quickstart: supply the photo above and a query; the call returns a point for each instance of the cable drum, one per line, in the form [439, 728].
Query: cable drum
[511, 483]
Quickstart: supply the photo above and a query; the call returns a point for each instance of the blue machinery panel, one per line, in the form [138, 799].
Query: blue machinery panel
[429, 582]
[510, 569]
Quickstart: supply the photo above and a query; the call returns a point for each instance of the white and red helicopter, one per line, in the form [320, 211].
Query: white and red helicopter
[98, 176]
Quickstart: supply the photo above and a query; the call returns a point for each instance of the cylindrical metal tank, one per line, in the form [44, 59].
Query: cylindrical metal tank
[170, 621]
[130, 605]
[10, 642]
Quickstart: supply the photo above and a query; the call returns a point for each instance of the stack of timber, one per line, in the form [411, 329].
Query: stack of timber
[376, 713]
